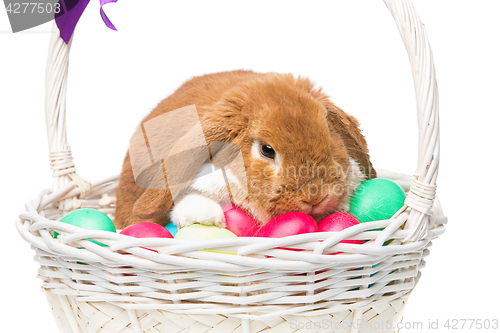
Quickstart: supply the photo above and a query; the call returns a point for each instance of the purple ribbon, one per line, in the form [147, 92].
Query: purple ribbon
[70, 13]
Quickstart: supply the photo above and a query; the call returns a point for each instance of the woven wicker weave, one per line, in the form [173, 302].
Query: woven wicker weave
[126, 288]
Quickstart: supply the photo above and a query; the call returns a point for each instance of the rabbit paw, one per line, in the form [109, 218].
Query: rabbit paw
[196, 208]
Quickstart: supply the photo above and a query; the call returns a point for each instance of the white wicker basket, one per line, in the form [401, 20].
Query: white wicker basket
[262, 288]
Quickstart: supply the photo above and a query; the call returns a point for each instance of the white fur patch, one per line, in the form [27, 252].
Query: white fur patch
[195, 208]
[231, 178]
[354, 179]
[209, 180]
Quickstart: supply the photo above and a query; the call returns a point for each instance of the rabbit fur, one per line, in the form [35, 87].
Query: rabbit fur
[268, 143]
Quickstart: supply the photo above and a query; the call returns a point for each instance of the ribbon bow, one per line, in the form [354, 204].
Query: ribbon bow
[70, 13]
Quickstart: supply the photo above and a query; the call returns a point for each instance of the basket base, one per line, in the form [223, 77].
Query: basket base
[102, 317]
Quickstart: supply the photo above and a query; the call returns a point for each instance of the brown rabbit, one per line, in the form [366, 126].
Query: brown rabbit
[269, 143]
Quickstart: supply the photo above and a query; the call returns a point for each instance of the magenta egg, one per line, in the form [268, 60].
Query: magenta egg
[146, 230]
[288, 224]
[339, 222]
[239, 222]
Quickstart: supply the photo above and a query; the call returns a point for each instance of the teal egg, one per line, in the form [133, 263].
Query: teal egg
[89, 219]
[172, 228]
[377, 199]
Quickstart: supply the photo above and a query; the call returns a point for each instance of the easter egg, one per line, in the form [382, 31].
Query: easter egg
[288, 224]
[89, 219]
[239, 222]
[339, 222]
[146, 230]
[377, 199]
[204, 232]
[172, 228]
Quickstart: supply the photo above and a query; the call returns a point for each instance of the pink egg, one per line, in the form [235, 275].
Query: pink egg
[288, 224]
[339, 222]
[239, 222]
[146, 230]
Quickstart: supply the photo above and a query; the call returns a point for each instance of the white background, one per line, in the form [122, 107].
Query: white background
[350, 48]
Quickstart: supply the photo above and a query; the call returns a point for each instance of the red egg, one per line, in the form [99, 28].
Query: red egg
[339, 222]
[288, 224]
[146, 230]
[239, 222]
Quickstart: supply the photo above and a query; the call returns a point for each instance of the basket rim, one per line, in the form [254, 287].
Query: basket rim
[35, 228]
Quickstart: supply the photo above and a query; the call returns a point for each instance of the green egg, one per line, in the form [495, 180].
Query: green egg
[377, 199]
[89, 219]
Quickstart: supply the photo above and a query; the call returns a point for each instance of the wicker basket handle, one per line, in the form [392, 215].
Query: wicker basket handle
[60, 156]
[422, 190]
[423, 187]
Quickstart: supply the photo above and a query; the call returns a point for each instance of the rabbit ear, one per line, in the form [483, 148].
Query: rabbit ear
[152, 204]
[224, 121]
[184, 158]
[344, 125]
[220, 123]
[348, 128]
[176, 173]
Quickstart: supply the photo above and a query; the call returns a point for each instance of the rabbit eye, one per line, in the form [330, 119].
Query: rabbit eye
[267, 151]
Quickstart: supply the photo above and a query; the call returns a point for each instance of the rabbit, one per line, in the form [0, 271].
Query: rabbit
[267, 143]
